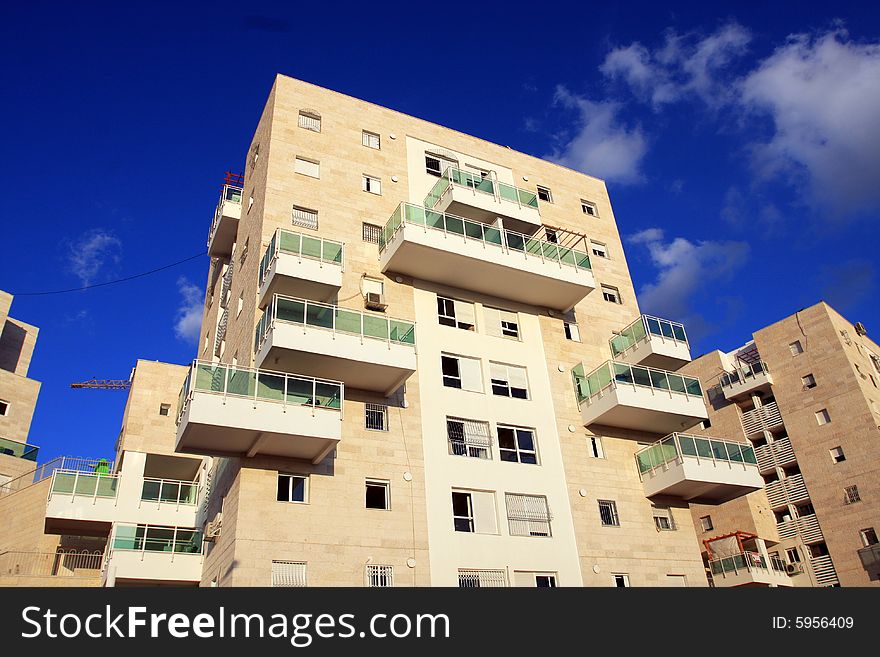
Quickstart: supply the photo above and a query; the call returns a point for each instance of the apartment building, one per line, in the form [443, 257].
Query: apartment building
[804, 392]
[422, 362]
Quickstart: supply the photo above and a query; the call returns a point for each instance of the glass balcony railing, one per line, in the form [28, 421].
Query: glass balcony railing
[170, 491]
[151, 538]
[745, 562]
[260, 385]
[643, 328]
[745, 374]
[84, 484]
[18, 449]
[507, 241]
[678, 446]
[612, 374]
[230, 194]
[290, 310]
[453, 177]
[302, 246]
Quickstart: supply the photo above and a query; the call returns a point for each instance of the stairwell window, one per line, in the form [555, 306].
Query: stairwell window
[305, 217]
[370, 139]
[837, 455]
[310, 120]
[663, 520]
[544, 194]
[380, 576]
[527, 515]
[469, 438]
[594, 447]
[376, 417]
[620, 581]
[589, 208]
[457, 314]
[706, 524]
[599, 249]
[310, 168]
[808, 381]
[796, 348]
[572, 332]
[371, 184]
[517, 445]
[851, 495]
[611, 294]
[371, 233]
[378, 494]
[292, 488]
[462, 372]
[509, 381]
[608, 513]
[289, 574]
[823, 417]
[501, 323]
[868, 537]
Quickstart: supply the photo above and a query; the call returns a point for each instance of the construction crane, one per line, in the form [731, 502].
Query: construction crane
[104, 384]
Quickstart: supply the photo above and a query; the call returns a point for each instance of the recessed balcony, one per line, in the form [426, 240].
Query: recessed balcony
[746, 380]
[458, 252]
[142, 554]
[367, 351]
[638, 398]
[652, 342]
[224, 227]
[698, 469]
[749, 569]
[300, 265]
[484, 199]
[226, 410]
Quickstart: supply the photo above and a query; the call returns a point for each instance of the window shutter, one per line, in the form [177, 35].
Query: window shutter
[471, 375]
[288, 573]
[518, 377]
[498, 371]
[464, 312]
[493, 321]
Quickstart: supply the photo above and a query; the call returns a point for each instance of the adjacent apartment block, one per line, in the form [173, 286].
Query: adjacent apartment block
[804, 392]
[422, 362]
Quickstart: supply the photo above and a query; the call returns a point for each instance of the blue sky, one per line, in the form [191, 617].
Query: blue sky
[740, 143]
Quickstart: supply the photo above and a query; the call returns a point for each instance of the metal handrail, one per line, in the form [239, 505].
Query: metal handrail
[677, 446]
[477, 183]
[94, 480]
[277, 247]
[171, 483]
[745, 561]
[742, 374]
[690, 386]
[647, 327]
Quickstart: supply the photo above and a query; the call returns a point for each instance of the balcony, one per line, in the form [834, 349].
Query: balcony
[652, 342]
[638, 398]
[467, 254]
[824, 571]
[790, 490]
[300, 265]
[870, 557]
[18, 449]
[748, 569]
[698, 469]
[367, 351]
[472, 196]
[807, 527]
[144, 554]
[224, 227]
[234, 411]
[777, 453]
[761, 419]
[82, 503]
[744, 381]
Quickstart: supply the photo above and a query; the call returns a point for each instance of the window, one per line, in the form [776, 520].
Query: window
[380, 576]
[469, 438]
[164, 409]
[372, 185]
[370, 139]
[462, 512]
[376, 417]
[608, 513]
[291, 488]
[808, 381]
[244, 252]
[373, 286]
[795, 348]
[250, 202]
[436, 164]
[837, 454]
[679, 581]
[823, 417]
[598, 249]
[501, 323]
[473, 511]
[793, 555]
[868, 536]
[545, 581]
[509, 381]
[311, 168]
[572, 332]
[706, 524]
[620, 581]
[595, 447]
[458, 314]
[475, 579]
[462, 372]
[544, 194]
[550, 235]
[240, 304]
[310, 120]
[517, 445]
[288, 573]
[663, 519]
[371, 233]
[378, 494]
[255, 156]
[589, 208]
[4, 480]
[305, 217]
[4, 405]
[705, 424]
[851, 495]
[610, 294]
[527, 515]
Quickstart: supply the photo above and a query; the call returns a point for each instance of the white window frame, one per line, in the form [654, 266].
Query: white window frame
[378, 483]
[520, 454]
[307, 167]
[595, 448]
[623, 578]
[466, 378]
[502, 323]
[663, 513]
[610, 290]
[375, 411]
[571, 331]
[528, 515]
[449, 309]
[369, 138]
[467, 518]
[865, 536]
[599, 249]
[371, 184]
[501, 376]
[291, 476]
[472, 440]
[589, 204]
[546, 190]
[611, 505]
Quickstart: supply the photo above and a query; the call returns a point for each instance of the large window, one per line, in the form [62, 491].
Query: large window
[527, 515]
[517, 444]
[473, 511]
[509, 381]
[468, 438]
[608, 513]
[457, 314]
[462, 372]
[292, 488]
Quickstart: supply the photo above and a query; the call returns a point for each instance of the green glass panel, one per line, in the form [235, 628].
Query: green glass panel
[583, 260]
[311, 247]
[188, 542]
[435, 220]
[492, 235]
[289, 310]
[515, 241]
[676, 382]
[107, 486]
[128, 537]
[643, 459]
[328, 395]
[348, 321]
[375, 327]
[748, 454]
[568, 256]
[719, 450]
[210, 377]
[454, 225]
[63, 482]
[688, 445]
[668, 450]
[473, 230]
[507, 193]
[158, 539]
[289, 242]
[299, 391]
[332, 252]
[693, 387]
[413, 214]
[270, 386]
[704, 449]
[659, 380]
[319, 315]
[241, 382]
[734, 452]
[85, 484]
[403, 332]
[619, 344]
[641, 376]
[189, 493]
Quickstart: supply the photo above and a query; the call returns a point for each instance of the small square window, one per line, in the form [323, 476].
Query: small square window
[544, 194]
[851, 495]
[823, 417]
[868, 536]
[517, 445]
[663, 520]
[380, 576]
[370, 139]
[595, 447]
[550, 235]
[305, 218]
[378, 494]
[808, 381]
[793, 555]
[706, 524]
[309, 120]
[545, 581]
[598, 249]
[705, 424]
[372, 233]
[376, 417]
[164, 409]
[372, 185]
[589, 208]
[837, 454]
[796, 348]
[291, 488]
[608, 513]
[310, 168]
[611, 294]
[4, 405]
[572, 332]
[621, 581]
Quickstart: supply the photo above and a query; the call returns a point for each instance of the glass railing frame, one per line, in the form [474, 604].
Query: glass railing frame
[679, 454]
[21, 449]
[746, 561]
[144, 540]
[77, 476]
[743, 375]
[218, 212]
[614, 383]
[180, 483]
[276, 250]
[452, 176]
[649, 335]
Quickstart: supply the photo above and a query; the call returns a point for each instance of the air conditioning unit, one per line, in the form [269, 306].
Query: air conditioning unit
[375, 301]
[860, 329]
[212, 529]
[794, 568]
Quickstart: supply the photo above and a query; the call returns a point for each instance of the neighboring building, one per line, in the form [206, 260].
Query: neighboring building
[805, 393]
[422, 362]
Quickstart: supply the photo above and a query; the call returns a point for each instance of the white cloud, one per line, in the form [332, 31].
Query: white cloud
[823, 95]
[88, 255]
[684, 270]
[188, 323]
[602, 147]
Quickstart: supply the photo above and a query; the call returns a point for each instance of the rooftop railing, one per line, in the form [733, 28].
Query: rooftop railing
[453, 177]
[507, 241]
[260, 385]
[745, 562]
[18, 449]
[676, 447]
[744, 374]
[229, 194]
[612, 374]
[301, 246]
[84, 484]
[153, 538]
[373, 326]
[643, 328]
[46, 470]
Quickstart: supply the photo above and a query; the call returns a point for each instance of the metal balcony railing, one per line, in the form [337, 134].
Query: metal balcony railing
[744, 374]
[170, 491]
[646, 327]
[676, 447]
[301, 246]
[62, 563]
[76, 484]
[19, 449]
[501, 192]
[745, 562]
[46, 470]
[230, 194]
[612, 374]
[762, 418]
[154, 538]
